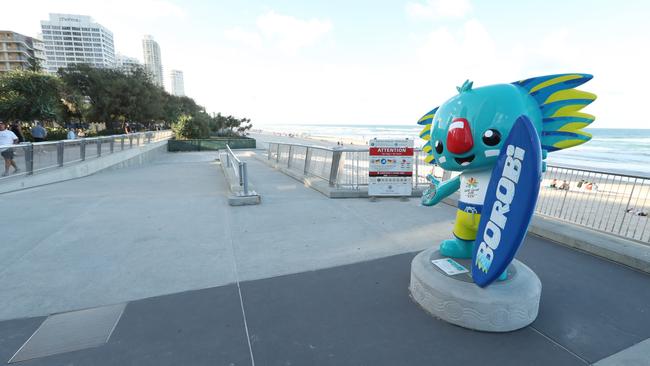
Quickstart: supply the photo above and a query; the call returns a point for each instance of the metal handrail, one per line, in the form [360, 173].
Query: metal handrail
[555, 165]
[240, 170]
[32, 157]
[614, 203]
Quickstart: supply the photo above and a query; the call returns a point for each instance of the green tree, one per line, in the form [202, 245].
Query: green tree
[35, 64]
[229, 126]
[115, 97]
[191, 127]
[29, 96]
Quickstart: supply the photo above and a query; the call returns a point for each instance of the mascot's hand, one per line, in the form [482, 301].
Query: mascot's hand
[429, 195]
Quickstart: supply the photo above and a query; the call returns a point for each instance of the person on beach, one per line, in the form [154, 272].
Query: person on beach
[637, 212]
[554, 183]
[565, 186]
[7, 137]
[38, 132]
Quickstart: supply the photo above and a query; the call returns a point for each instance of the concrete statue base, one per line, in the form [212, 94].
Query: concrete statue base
[501, 307]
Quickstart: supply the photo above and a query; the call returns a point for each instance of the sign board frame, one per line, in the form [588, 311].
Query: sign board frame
[390, 167]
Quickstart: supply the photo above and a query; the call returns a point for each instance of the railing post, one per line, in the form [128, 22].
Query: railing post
[307, 160]
[130, 141]
[289, 157]
[559, 215]
[112, 145]
[149, 137]
[334, 169]
[29, 159]
[417, 175]
[60, 146]
[627, 206]
[277, 156]
[122, 143]
[243, 177]
[268, 152]
[82, 151]
[99, 147]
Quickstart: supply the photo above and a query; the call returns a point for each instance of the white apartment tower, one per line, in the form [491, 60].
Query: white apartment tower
[126, 64]
[176, 81]
[152, 61]
[76, 39]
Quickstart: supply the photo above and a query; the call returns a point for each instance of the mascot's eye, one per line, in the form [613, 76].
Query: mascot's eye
[491, 137]
[438, 146]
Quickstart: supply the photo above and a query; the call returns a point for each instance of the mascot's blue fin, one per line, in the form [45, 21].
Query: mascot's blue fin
[425, 134]
[560, 104]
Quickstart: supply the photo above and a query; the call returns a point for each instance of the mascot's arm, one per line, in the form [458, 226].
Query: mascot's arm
[438, 191]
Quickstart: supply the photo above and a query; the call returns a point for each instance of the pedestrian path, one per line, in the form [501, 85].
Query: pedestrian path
[297, 280]
[138, 232]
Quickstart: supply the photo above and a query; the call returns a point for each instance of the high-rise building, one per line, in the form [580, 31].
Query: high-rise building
[126, 64]
[76, 39]
[177, 84]
[39, 51]
[20, 52]
[152, 61]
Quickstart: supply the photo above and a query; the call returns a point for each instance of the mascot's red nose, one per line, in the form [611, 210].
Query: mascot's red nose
[459, 136]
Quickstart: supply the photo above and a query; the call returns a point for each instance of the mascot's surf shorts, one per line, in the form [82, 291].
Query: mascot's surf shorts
[466, 225]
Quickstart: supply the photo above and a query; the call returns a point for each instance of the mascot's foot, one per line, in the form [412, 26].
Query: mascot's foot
[457, 248]
[504, 276]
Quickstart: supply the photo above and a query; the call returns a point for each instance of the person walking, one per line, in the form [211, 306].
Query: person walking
[38, 132]
[7, 138]
[71, 135]
[18, 131]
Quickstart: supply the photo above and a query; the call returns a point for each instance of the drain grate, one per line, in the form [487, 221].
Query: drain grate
[71, 331]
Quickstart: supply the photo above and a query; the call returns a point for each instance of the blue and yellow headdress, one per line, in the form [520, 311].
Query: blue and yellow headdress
[560, 105]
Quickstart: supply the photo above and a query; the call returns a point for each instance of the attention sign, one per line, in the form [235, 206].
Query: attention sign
[390, 171]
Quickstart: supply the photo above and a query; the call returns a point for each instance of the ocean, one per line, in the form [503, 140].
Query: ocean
[625, 151]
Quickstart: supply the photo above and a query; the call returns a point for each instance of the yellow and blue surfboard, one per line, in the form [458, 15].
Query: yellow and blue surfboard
[509, 203]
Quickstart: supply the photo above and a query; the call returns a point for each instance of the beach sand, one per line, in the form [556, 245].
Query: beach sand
[614, 204]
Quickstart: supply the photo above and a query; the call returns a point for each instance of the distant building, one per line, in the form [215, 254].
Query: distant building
[177, 83]
[152, 60]
[126, 64]
[39, 51]
[76, 39]
[20, 52]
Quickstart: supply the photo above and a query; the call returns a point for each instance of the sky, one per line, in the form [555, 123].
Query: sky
[374, 62]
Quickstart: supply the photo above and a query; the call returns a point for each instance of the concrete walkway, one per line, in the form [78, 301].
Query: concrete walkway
[298, 280]
[166, 227]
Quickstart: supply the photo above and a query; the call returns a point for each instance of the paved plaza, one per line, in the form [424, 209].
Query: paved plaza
[298, 280]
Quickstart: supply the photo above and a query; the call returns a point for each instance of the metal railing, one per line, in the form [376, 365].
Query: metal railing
[237, 168]
[617, 204]
[37, 157]
[345, 168]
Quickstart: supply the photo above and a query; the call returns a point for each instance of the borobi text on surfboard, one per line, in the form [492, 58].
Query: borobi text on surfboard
[505, 193]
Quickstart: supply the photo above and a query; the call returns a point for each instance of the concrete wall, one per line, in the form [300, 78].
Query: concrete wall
[132, 157]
